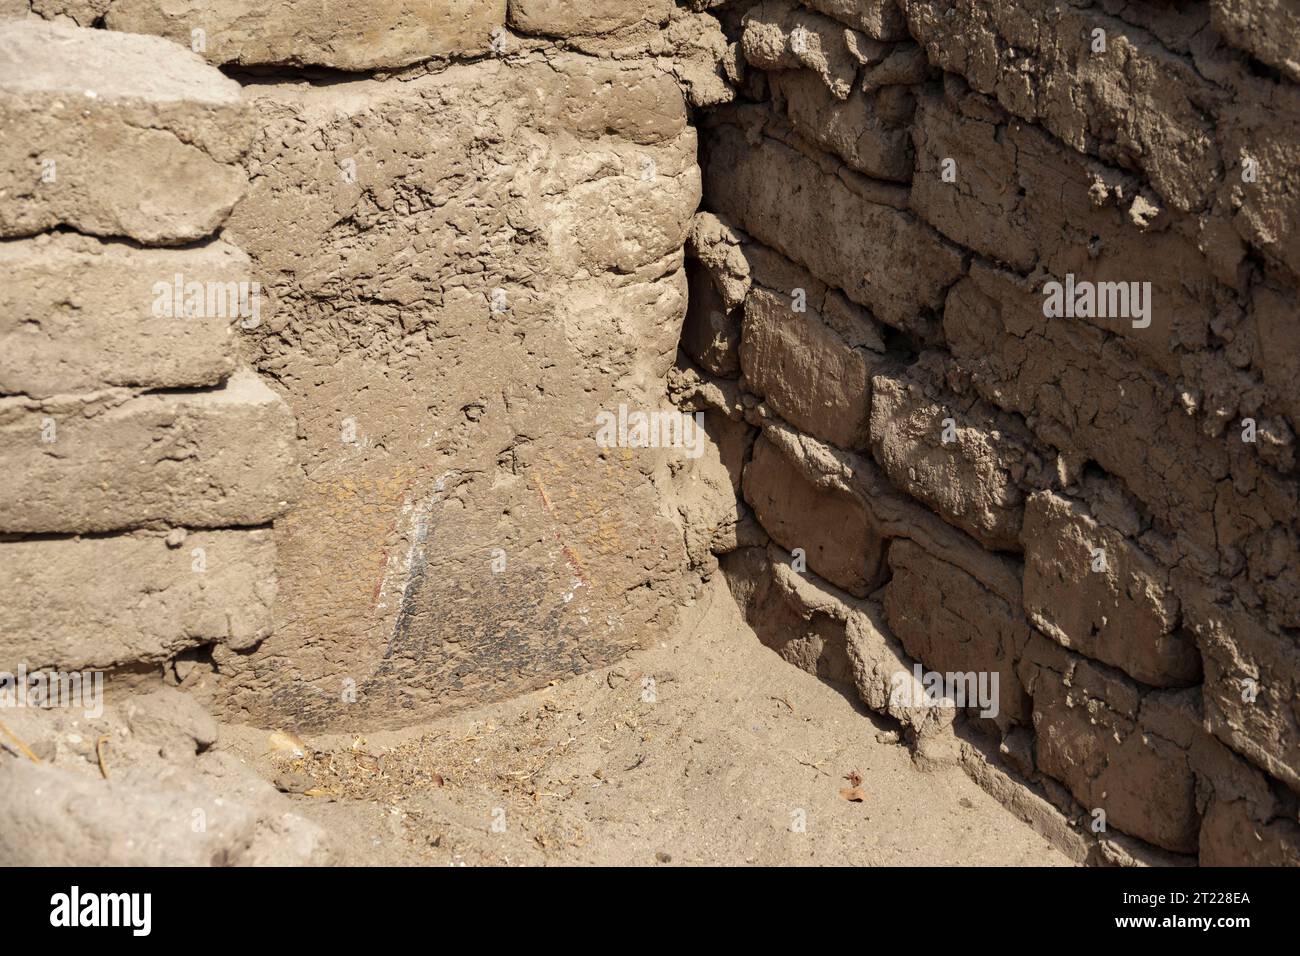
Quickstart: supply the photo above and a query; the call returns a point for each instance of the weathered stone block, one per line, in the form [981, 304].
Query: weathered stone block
[860, 129]
[1088, 393]
[1115, 749]
[1279, 349]
[77, 314]
[1244, 821]
[100, 602]
[83, 13]
[1231, 837]
[1268, 30]
[960, 457]
[714, 520]
[1252, 683]
[782, 35]
[720, 250]
[711, 331]
[463, 535]
[824, 631]
[144, 138]
[948, 621]
[1257, 138]
[1117, 607]
[880, 670]
[562, 18]
[834, 530]
[107, 461]
[809, 636]
[1123, 104]
[1013, 186]
[881, 19]
[805, 370]
[334, 33]
[878, 255]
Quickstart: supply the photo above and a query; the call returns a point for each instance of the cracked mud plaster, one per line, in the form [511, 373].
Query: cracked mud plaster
[1142, 609]
[505, 263]
[467, 258]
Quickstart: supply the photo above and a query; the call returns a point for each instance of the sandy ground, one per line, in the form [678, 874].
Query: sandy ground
[707, 749]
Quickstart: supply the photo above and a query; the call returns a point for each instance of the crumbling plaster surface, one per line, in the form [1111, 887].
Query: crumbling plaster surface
[474, 228]
[1096, 506]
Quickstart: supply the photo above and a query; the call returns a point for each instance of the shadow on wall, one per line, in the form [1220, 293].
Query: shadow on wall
[1013, 400]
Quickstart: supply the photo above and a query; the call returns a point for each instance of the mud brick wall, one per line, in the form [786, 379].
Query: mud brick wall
[467, 222]
[144, 461]
[945, 472]
[828, 226]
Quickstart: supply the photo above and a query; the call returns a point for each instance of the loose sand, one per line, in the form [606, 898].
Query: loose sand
[715, 762]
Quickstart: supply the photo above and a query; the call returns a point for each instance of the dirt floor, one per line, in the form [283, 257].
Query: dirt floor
[708, 749]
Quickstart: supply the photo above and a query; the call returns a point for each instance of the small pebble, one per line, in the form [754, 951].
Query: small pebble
[293, 783]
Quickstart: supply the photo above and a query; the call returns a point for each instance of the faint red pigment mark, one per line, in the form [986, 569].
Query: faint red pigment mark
[575, 564]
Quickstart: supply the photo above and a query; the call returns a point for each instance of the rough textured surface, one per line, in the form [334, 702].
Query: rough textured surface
[1116, 606]
[461, 529]
[1192, 479]
[1094, 499]
[146, 139]
[876, 254]
[1127, 104]
[1136, 768]
[129, 420]
[835, 532]
[881, 19]
[171, 800]
[961, 459]
[867, 130]
[1247, 820]
[560, 18]
[475, 231]
[781, 35]
[206, 458]
[1268, 29]
[78, 314]
[101, 602]
[1250, 688]
[944, 617]
[805, 369]
[1057, 79]
[1014, 187]
[333, 33]
[327, 33]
